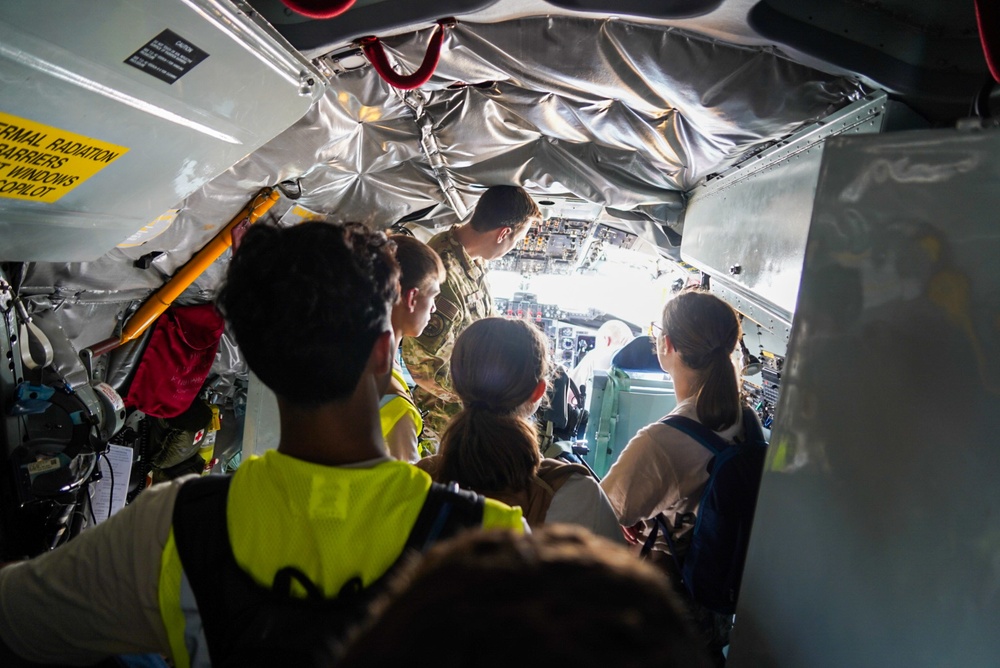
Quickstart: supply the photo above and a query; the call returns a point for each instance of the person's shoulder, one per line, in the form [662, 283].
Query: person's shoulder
[443, 242]
[436, 331]
[159, 499]
[498, 515]
[658, 432]
[447, 315]
[581, 482]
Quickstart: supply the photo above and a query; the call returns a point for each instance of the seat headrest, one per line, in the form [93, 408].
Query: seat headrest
[637, 355]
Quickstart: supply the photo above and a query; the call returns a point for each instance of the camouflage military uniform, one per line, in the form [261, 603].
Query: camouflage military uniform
[465, 297]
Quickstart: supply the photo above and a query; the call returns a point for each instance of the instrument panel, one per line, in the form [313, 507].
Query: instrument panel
[764, 397]
[563, 245]
[567, 342]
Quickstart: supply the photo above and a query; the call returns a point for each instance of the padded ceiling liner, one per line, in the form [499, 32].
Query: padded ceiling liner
[621, 114]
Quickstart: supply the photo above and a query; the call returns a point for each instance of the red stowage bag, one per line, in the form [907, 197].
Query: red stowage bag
[176, 361]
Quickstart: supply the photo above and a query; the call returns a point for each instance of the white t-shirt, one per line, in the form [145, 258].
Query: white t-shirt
[662, 470]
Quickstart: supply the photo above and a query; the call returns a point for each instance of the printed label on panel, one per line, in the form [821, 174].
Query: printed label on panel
[41, 163]
[168, 57]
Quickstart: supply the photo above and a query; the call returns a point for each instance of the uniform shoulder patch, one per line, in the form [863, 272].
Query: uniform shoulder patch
[434, 327]
[446, 308]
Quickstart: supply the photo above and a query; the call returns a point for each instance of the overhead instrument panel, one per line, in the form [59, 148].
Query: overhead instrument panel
[606, 236]
[554, 246]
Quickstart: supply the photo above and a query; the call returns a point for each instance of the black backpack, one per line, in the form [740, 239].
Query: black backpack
[248, 625]
[712, 566]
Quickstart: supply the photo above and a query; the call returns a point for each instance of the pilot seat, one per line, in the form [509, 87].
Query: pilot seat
[633, 393]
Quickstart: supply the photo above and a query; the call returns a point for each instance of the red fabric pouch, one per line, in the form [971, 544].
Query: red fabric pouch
[176, 361]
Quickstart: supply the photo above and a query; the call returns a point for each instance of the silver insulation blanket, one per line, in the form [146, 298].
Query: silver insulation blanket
[617, 113]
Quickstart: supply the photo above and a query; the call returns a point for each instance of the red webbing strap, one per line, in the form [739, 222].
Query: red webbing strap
[988, 20]
[373, 49]
[319, 9]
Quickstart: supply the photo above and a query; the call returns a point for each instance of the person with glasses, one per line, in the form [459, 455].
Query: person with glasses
[662, 469]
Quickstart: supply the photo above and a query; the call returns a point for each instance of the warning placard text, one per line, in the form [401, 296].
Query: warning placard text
[42, 163]
[168, 57]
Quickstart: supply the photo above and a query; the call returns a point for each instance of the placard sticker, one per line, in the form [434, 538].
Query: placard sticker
[168, 57]
[41, 163]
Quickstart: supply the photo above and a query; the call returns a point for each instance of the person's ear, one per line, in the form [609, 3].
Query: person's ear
[382, 353]
[410, 298]
[539, 391]
[503, 234]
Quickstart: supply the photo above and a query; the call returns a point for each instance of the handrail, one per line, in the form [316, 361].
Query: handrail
[160, 300]
[318, 9]
[988, 22]
[375, 53]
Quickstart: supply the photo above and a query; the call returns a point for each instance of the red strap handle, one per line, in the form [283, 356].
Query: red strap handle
[988, 20]
[373, 49]
[318, 9]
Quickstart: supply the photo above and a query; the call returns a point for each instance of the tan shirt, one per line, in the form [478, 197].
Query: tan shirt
[661, 470]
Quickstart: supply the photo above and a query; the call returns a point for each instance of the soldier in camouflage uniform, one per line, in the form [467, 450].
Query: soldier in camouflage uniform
[500, 221]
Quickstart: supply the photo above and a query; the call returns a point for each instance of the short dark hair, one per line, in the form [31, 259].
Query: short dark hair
[504, 206]
[307, 303]
[418, 262]
[499, 599]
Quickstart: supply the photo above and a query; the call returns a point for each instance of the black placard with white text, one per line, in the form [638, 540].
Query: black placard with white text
[168, 57]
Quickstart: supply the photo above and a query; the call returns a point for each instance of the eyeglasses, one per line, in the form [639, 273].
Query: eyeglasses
[655, 331]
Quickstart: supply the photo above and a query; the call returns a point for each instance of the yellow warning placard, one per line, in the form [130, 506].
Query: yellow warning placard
[41, 163]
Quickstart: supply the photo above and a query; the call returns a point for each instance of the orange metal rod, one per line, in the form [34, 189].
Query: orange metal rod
[172, 289]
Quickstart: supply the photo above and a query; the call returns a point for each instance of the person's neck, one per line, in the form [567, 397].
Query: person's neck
[335, 433]
[473, 242]
[685, 382]
[397, 328]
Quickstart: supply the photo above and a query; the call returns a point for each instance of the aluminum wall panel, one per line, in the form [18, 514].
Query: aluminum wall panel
[748, 228]
[876, 540]
[63, 65]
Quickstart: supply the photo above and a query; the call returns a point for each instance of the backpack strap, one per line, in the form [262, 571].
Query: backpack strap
[447, 510]
[551, 476]
[223, 590]
[202, 539]
[555, 472]
[699, 432]
[709, 440]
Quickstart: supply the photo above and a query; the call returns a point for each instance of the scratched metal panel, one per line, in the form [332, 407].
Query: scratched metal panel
[748, 228]
[63, 65]
[877, 536]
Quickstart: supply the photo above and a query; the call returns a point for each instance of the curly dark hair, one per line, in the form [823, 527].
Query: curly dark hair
[557, 597]
[307, 303]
